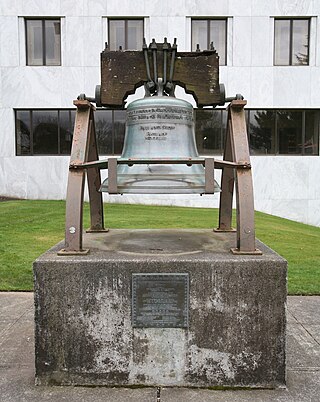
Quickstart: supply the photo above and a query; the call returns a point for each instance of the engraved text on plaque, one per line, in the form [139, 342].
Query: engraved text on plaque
[160, 300]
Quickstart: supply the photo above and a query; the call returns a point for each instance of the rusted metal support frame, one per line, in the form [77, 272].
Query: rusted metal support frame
[94, 183]
[243, 180]
[112, 163]
[218, 164]
[83, 147]
[227, 185]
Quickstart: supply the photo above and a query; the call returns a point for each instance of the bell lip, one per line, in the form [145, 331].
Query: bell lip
[173, 187]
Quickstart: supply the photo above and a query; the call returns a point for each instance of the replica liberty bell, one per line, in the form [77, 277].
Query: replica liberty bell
[159, 127]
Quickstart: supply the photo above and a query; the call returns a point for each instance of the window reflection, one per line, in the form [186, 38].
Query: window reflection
[289, 125]
[43, 42]
[300, 42]
[66, 131]
[103, 124]
[125, 33]
[291, 42]
[262, 132]
[208, 128]
[23, 132]
[119, 130]
[45, 132]
[49, 132]
[311, 140]
[212, 30]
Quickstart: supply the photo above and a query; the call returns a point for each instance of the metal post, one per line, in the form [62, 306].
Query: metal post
[243, 180]
[76, 180]
[227, 184]
[94, 183]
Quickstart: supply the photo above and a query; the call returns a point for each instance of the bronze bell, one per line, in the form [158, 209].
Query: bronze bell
[160, 127]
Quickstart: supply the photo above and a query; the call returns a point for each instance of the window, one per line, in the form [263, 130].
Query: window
[284, 132]
[43, 42]
[49, 132]
[126, 34]
[206, 31]
[209, 131]
[291, 42]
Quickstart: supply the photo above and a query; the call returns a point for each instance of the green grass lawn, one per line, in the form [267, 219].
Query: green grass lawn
[28, 228]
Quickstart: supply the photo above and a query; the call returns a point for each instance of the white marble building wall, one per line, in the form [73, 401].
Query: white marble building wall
[284, 185]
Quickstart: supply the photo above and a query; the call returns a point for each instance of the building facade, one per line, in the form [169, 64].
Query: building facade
[269, 52]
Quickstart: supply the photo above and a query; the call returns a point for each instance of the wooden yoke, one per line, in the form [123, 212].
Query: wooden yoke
[84, 149]
[237, 151]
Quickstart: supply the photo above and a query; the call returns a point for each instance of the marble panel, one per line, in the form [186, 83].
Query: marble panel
[240, 8]
[242, 41]
[315, 87]
[291, 86]
[41, 87]
[91, 79]
[74, 50]
[92, 45]
[96, 8]
[314, 212]
[314, 177]
[203, 8]
[12, 85]
[72, 8]
[72, 85]
[296, 210]
[129, 8]
[15, 176]
[262, 178]
[263, 8]
[10, 7]
[314, 50]
[223, 76]
[45, 177]
[3, 183]
[177, 29]
[159, 28]
[9, 49]
[263, 206]
[261, 87]
[230, 41]
[293, 8]
[1, 97]
[7, 129]
[290, 178]
[239, 81]
[261, 46]
[146, 29]
[315, 7]
[177, 8]
[41, 8]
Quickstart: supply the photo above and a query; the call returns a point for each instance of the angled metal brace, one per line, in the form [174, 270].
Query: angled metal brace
[237, 150]
[84, 149]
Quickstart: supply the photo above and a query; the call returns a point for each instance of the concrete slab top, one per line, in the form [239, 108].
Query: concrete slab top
[159, 244]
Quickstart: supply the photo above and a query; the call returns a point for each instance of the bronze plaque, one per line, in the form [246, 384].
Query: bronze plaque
[160, 300]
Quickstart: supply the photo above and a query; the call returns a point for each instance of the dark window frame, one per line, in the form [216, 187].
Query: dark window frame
[292, 19]
[208, 20]
[126, 19]
[43, 20]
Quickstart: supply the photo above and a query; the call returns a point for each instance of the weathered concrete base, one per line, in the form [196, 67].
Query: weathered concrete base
[237, 313]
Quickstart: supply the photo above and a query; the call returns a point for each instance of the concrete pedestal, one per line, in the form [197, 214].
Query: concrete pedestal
[235, 335]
